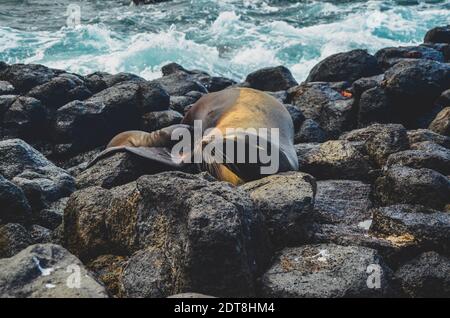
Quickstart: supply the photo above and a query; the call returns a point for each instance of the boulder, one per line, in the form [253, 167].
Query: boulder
[348, 66]
[296, 115]
[26, 76]
[423, 155]
[52, 216]
[180, 83]
[60, 90]
[14, 205]
[335, 159]
[428, 275]
[441, 124]
[40, 234]
[438, 35]
[108, 269]
[310, 131]
[390, 56]
[428, 228]
[47, 271]
[420, 135]
[113, 110]
[271, 79]
[342, 201]
[414, 86]
[286, 201]
[375, 106]
[209, 232]
[380, 141]
[325, 104]
[6, 88]
[327, 271]
[14, 237]
[158, 120]
[366, 83]
[41, 181]
[404, 185]
[26, 118]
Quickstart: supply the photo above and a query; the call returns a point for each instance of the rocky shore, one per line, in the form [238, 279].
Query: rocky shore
[367, 215]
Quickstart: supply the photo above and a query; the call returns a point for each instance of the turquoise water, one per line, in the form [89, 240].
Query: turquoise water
[227, 37]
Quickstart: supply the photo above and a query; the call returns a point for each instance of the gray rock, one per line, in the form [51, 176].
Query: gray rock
[390, 56]
[429, 229]
[212, 237]
[271, 79]
[286, 201]
[13, 238]
[438, 35]
[310, 131]
[14, 205]
[26, 76]
[425, 276]
[180, 83]
[342, 201]
[118, 169]
[326, 105]
[441, 123]
[41, 181]
[47, 271]
[348, 66]
[6, 88]
[420, 135]
[40, 234]
[335, 159]
[26, 118]
[423, 155]
[404, 185]
[326, 271]
[380, 141]
[158, 120]
[374, 107]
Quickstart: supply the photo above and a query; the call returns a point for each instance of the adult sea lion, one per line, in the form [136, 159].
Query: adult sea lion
[249, 112]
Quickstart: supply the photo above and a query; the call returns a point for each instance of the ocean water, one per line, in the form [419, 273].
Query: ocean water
[224, 37]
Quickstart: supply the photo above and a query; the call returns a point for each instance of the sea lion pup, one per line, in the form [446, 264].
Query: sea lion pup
[249, 112]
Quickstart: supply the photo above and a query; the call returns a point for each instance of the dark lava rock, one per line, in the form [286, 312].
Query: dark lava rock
[180, 83]
[40, 234]
[414, 86]
[60, 90]
[13, 203]
[348, 66]
[108, 269]
[271, 79]
[423, 155]
[326, 105]
[158, 120]
[52, 216]
[41, 181]
[5, 103]
[6, 88]
[374, 107]
[342, 201]
[438, 35]
[26, 76]
[406, 185]
[335, 159]
[430, 229]
[425, 276]
[327, 271]
[310, 131]
[286, 201]
[13, 238]
[47, 271]
[296, 115]
[441, 124]
[99, 81]
[84, 125]
[209, 232]
[118, 169]
[380, 141]
[420, 135]
[190, 295]
[366, 83]
[390, 56]
[26, 118]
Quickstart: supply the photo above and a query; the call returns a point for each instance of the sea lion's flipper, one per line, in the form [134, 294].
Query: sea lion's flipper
[105, 153]
[159, 154]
